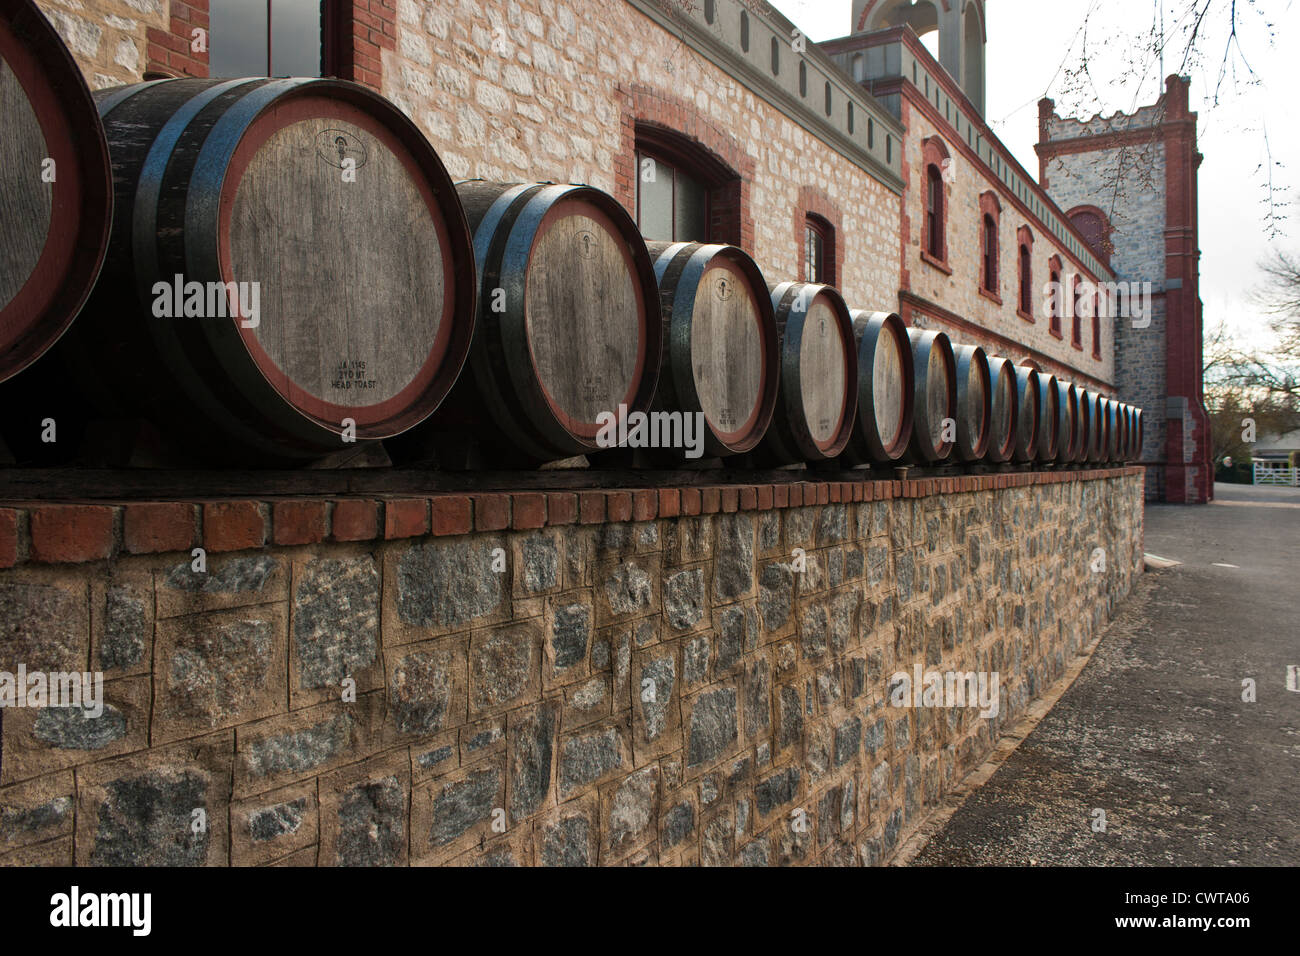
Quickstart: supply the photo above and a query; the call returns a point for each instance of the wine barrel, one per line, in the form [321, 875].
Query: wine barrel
[1097, 434]
[1087, 424]
[569, 338]
[1113, 430]
[974, 403]
[57, 200]
[935, 401]
[1121, 450]
[885, 389]
[298, 271]
[819, 374]
[1049, 419]
[1004, 424]
[1067, 405]
[1129, 433]
[1029, 392]
[719, 343]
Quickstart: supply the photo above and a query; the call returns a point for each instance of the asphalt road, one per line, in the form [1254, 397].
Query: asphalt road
[1154, 732]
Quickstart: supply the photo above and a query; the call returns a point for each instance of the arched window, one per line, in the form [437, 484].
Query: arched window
[776, 57]
[990, 254]
[803, 78]
[1025, 273]
[1026, 282]
[1054, 304]
[934, 212]
[684, 193]
[1055, 296]
[744, 31]
[1096, 230]
[1077, 307]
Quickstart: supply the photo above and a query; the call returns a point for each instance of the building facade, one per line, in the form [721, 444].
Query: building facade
[864, 162]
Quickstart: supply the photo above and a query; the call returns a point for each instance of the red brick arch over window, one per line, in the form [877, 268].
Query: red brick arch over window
[1096, 229]
[935, 158]
[729, 207]
[813, 201]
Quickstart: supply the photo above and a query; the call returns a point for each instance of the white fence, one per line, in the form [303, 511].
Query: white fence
[1268, 475]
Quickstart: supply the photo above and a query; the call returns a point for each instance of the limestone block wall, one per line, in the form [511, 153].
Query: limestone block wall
[671, 676]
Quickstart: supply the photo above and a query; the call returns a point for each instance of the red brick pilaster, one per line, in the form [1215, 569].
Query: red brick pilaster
[173, 52]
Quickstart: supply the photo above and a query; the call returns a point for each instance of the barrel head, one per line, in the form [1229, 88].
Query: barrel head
[57, 198]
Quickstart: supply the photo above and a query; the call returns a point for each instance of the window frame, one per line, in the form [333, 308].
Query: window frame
[667, 161]
[1076, 319]
[334, 35]
[818, 227]
[725, 212]
[1025, 274]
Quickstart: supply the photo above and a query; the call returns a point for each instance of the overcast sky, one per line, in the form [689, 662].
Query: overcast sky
[1031, 43]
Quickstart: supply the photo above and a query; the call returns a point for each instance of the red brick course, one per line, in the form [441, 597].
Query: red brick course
[69, 533]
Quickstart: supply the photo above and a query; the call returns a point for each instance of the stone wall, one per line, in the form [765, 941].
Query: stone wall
[672, 676]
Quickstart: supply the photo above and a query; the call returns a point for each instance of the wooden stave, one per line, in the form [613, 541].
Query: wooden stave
[678, 269]
[1086, 425]
[1141, 436]
[972, 447]
[1068, 427]
[789, 439]
[1049, 418]
[504, 219]
[1113, 429]
[1001, 452]
[866, 446]
[52, 297]
[1029, 392]
[1097, 436]
[171, 138]
[923, 342]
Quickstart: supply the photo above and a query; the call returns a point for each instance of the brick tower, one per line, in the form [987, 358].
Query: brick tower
[1128, 182]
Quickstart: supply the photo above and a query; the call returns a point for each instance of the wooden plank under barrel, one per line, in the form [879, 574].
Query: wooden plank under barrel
[57, 198]
[819, 375]
[1029, 392]
[935, 397]
[290, 275]
[1003, 425]
[885, 389]
[720, 353]
[569, 333]
[974, 403]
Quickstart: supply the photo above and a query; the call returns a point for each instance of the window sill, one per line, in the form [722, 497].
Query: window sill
[991, 296]
[1077, 345]
[1025, 315]
[936, 263]
[1057, 334]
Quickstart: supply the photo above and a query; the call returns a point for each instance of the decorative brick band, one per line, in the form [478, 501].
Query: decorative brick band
[76, 533]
